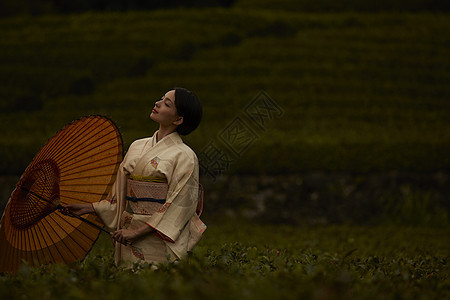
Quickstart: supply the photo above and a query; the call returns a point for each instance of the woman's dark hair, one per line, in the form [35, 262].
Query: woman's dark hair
[189, 107]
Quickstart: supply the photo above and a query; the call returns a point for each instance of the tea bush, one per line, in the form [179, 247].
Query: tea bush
[360, 92]
[247, 261]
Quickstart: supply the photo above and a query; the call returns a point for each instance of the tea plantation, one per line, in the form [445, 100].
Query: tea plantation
[356, 94]
[360, 92]
[261, 262]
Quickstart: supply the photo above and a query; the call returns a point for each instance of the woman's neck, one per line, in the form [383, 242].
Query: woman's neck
[163, 132]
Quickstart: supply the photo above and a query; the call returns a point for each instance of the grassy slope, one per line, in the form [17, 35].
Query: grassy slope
[361, 92]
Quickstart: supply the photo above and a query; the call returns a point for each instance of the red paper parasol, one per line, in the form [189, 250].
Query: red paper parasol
[77, 165]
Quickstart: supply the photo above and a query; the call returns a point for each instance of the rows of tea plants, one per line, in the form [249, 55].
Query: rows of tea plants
[360, 92]
[343, 6]
[247, 261]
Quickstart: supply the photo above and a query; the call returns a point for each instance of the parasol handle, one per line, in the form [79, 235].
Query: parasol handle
[101, 228]
[59, 206]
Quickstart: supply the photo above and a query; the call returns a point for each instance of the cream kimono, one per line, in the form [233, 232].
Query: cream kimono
[176, 223]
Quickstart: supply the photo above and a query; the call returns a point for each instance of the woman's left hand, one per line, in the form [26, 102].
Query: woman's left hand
[125, 236]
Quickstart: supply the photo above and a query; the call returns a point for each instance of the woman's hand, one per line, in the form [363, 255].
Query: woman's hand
[77, 209]
[126, 236]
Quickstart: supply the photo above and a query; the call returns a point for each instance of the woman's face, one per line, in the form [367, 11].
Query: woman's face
[165, 112]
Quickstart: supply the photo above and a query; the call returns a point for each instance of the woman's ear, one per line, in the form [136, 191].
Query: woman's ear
[178, 121]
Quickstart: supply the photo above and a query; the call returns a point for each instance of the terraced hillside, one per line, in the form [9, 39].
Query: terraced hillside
[360, 91]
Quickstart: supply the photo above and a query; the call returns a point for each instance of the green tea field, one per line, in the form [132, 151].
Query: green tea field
[332, 127]
[261, 262]
[359, 92]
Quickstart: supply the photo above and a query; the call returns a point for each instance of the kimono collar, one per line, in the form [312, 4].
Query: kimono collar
[174, 138]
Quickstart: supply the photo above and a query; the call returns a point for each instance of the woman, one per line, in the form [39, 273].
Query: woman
[151, 208]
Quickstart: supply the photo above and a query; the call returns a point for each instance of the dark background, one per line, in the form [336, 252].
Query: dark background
[363, 85]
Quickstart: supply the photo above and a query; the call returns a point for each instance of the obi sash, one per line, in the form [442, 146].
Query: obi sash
[146, 195]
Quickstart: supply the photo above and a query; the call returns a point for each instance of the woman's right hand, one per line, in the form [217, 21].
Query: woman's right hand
[77, 209]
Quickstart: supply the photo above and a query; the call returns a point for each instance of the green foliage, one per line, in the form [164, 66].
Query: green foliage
[406, 199]
[347, 5]
[267, 262]
[361, 92]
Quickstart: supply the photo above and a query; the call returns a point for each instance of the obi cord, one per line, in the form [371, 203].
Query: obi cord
[146, 194]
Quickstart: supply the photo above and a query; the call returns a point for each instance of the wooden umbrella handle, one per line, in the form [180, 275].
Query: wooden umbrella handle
[60, 207]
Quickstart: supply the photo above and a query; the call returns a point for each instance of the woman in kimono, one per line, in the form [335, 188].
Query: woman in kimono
[152, 207]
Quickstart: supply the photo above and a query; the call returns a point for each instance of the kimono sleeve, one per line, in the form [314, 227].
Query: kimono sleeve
[110, 209]
[170, 220]
[107, 210]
